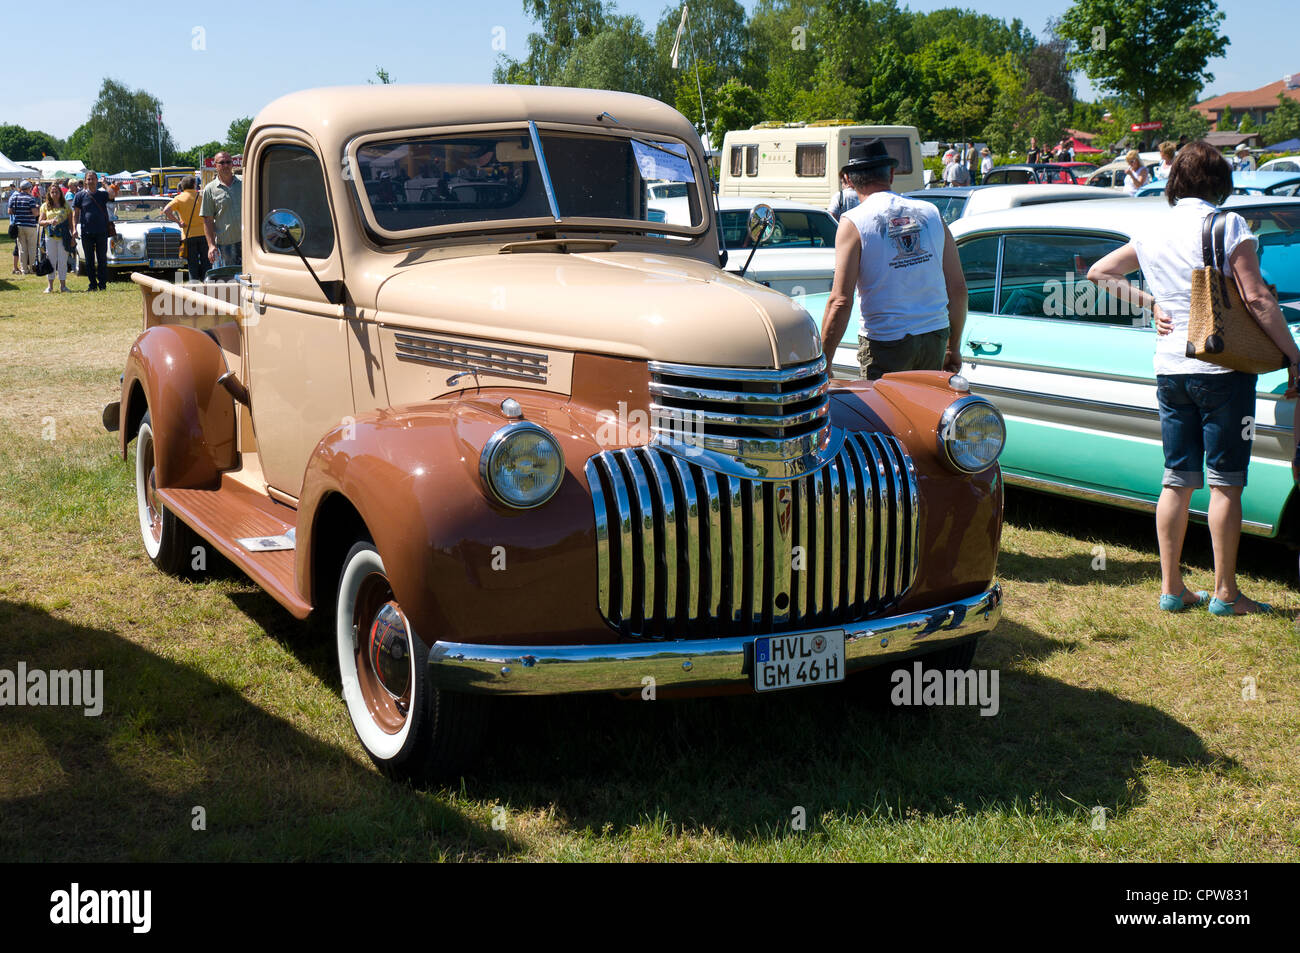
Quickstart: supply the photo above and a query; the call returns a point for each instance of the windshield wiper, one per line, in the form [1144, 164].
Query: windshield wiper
[545, 172]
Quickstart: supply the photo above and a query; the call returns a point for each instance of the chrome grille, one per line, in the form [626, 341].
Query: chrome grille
[162, 243]
[684, 551]
[496, 361]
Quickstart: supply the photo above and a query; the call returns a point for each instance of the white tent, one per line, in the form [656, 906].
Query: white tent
[12, 171]
[141, 174]
[122, 176]
[46, 167]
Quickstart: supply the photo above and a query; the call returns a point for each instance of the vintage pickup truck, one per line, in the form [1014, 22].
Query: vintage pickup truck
[520, 438]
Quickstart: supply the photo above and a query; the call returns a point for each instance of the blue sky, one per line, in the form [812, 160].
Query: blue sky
[254, 52]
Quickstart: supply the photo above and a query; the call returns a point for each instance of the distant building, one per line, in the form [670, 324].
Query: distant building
[1257, 103]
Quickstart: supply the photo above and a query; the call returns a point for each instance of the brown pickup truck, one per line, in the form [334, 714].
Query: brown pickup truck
[520, 435]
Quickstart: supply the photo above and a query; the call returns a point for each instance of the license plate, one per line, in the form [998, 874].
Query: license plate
[793, 661]
[167, 263]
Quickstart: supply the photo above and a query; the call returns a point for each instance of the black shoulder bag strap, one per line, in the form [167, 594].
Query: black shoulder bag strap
[1221, 259]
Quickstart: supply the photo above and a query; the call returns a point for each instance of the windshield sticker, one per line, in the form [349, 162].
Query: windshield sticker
[664, 161]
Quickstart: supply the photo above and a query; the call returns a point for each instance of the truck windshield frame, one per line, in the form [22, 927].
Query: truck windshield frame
[522, 177]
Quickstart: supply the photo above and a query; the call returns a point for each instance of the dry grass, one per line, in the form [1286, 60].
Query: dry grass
[216, 698]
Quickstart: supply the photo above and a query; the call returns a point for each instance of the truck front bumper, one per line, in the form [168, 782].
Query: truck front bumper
[697, 664]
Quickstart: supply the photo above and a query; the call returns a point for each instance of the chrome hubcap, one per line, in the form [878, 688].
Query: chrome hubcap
[382, 641]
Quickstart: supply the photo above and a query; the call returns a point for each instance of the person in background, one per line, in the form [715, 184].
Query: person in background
[183, 210]
[986, 162]
[1167, 152]
[1202, 405]
[1135, 176]
[90, 216]
[56, 219]
[902, 260]
[23, 212]
[220, 209]
[1034, 155]
[844, 199]
[1244, 162]
[954, 173]
[11, 191]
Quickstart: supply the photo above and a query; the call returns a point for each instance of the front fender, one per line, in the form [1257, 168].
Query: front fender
[172, 372]
[464, 567]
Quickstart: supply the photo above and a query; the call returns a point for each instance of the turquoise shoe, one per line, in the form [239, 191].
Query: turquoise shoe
[1176, 603]
[1219, 607]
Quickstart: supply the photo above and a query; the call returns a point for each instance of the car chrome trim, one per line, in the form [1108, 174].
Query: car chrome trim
[950, 414]
[1092, 495]
[706, 551]
[695, 663]
[471, 358]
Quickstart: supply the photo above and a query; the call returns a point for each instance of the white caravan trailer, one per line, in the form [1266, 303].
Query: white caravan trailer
[801, 161]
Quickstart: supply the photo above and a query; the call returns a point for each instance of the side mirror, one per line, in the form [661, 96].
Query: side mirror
[282, 229]
[762, 223]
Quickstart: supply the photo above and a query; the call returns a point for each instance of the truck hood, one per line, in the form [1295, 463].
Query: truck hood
[626, 304]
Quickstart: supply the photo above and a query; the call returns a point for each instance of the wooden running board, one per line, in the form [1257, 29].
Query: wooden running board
[236, 512]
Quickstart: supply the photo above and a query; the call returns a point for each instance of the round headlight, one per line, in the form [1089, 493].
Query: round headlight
[971, 434]
[135, 246]
[115, 246]
[522, 465]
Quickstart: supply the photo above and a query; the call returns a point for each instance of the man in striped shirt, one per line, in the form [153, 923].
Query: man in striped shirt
[23, 211]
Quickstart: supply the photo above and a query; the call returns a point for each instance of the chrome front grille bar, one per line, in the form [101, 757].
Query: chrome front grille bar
[684, 551]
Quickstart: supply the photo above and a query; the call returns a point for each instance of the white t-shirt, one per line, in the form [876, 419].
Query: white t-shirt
[844, 200]
[901, 288]
[986, 165]
[1168, 254]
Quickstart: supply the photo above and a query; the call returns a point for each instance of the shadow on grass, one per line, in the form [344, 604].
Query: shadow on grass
[739, 765]
[123, 785]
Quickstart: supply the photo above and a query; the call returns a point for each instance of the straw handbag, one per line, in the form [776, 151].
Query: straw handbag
[1222, 330]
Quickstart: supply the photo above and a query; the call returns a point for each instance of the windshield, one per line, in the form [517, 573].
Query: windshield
[794, 229]
[1278, 232]
[428, 182]
[130, 208]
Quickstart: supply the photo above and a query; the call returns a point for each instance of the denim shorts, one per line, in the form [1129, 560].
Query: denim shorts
[1206, 419]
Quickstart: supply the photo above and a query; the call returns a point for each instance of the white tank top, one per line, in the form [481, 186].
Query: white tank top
[901, 288]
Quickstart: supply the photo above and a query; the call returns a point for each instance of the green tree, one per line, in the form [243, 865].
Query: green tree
[237, 135]
[124, 130]
[382, 76]
[19, 143]
[1247, 124]
[1226, 122]
[562, 26]
[737, 106]
[716, 33]
[618, 57]
[1284, 123]
[782, 54]
[79, 143]
[196, 154]
[1146, 51]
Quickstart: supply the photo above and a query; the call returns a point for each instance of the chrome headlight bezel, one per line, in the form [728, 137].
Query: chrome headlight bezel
[949, 421]
[492, 450]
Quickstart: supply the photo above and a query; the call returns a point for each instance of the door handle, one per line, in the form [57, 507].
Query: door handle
[985, 347]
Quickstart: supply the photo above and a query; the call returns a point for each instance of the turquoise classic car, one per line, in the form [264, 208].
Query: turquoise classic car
[1273, 182]
[1071, 367]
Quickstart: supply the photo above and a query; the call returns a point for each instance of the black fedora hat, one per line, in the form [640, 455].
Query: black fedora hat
[868, 154]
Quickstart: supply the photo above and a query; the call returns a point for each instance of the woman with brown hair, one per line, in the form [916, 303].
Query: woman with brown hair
[1204, 408]
[56, 219]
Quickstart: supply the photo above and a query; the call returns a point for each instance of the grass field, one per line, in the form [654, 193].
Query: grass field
[217, 699]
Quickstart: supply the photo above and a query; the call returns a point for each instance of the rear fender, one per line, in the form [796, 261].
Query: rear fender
[172, 373]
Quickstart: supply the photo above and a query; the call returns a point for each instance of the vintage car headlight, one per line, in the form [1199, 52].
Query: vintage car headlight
[971, 434]
[522, 465]
[135, 246]
[115, 245]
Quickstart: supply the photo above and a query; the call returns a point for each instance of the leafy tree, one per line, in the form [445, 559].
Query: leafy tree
[782, 54]
[237, 135]
[382, 76]
[1247, 124]
[78, 145]
[197, 154]
[563, 25]
[19, 143]
[1284, 123]
[737, 106]
[1225, 123]
[716, 32]
[618, 57]
[1147, 51]
[124, 130]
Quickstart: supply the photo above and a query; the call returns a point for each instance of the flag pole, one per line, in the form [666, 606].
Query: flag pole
[690, 32]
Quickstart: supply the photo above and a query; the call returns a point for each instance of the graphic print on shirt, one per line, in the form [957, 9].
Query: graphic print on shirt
[907, 236]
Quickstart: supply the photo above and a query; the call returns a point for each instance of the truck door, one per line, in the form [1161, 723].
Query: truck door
[299, 380]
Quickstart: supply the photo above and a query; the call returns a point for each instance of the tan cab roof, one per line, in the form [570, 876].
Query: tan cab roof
[335, 114]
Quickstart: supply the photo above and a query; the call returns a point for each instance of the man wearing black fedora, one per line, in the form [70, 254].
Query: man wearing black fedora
[899, 256]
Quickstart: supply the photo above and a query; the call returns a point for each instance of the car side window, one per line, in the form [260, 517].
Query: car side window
[1045, 276]
[979, 265]
[292, 178]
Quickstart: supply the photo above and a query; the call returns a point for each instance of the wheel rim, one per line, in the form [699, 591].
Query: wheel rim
[382, 640]
[153, 506]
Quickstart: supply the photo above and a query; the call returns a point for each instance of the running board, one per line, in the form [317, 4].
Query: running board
[234, 515]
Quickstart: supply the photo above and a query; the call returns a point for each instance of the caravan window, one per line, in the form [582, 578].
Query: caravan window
[751, 160]
[736, 159]
[898, 146]
[810, 160]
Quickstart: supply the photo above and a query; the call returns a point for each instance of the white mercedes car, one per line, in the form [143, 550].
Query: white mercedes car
[145, 240]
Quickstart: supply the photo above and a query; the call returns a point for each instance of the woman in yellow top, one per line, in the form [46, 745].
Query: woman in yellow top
[183, 210]
[55, 219]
